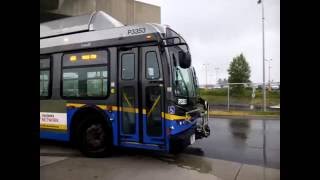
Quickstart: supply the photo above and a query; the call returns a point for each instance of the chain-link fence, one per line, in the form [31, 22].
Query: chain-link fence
[242, 96]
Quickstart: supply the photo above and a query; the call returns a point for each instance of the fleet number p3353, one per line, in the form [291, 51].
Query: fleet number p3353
[136, 31]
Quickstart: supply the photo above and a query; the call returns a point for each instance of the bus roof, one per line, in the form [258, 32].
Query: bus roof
[90, 28]
[95, 21]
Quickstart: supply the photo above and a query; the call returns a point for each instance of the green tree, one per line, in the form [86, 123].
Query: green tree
[239, 72]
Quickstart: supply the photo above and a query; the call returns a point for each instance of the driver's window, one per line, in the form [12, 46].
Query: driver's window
[179, 83]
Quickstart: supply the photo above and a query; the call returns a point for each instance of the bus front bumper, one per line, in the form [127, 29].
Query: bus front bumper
[180, 141]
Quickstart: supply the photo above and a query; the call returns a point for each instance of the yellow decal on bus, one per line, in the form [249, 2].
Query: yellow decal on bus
[89, 57]
[73, 58]
[53, 126]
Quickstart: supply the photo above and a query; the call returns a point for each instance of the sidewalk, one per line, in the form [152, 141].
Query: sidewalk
[140, 167]
[228, 170]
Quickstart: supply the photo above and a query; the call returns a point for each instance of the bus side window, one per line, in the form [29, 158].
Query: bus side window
[127, 66]
[152, 66]
[85, 82]
[44, 78]
[85, 75]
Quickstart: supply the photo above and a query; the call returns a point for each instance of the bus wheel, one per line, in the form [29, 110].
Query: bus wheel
[95, 139]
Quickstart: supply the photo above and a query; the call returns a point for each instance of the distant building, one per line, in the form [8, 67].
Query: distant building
[126, 11]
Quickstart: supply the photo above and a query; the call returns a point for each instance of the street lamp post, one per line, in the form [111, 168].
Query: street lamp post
[217, 69]
[263, 59]
[206, 71]
[269, 67]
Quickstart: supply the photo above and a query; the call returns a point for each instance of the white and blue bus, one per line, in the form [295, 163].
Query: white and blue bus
[106, 85]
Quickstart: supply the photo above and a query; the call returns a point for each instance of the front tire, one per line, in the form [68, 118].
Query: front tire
[95, 139]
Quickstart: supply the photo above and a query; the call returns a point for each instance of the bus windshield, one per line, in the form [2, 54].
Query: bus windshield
[183, 79]
[184, 85]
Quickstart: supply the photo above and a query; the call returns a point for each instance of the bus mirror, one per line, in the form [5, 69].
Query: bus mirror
[173, 41]
[184, 59]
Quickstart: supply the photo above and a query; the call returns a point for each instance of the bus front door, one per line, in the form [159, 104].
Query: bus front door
[140, 96]
[152, 89]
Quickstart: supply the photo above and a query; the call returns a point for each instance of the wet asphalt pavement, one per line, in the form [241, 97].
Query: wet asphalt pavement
[241, 140]
[238, 140]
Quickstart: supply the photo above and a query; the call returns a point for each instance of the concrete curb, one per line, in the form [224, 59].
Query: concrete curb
[246, 117]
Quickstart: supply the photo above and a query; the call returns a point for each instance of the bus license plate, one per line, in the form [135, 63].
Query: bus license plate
[192, 138]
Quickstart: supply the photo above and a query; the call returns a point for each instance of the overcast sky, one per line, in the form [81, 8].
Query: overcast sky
[218, 30]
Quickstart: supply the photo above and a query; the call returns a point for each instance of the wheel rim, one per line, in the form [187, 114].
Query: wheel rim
[95, 137]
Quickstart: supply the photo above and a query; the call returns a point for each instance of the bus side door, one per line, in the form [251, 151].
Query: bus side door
[152, 95]
[141, 96]
[128, 101]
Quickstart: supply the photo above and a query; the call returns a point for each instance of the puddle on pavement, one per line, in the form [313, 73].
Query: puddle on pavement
[188, 162]
[240, 128]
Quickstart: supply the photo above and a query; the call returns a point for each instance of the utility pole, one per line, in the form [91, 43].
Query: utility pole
[263, 59]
